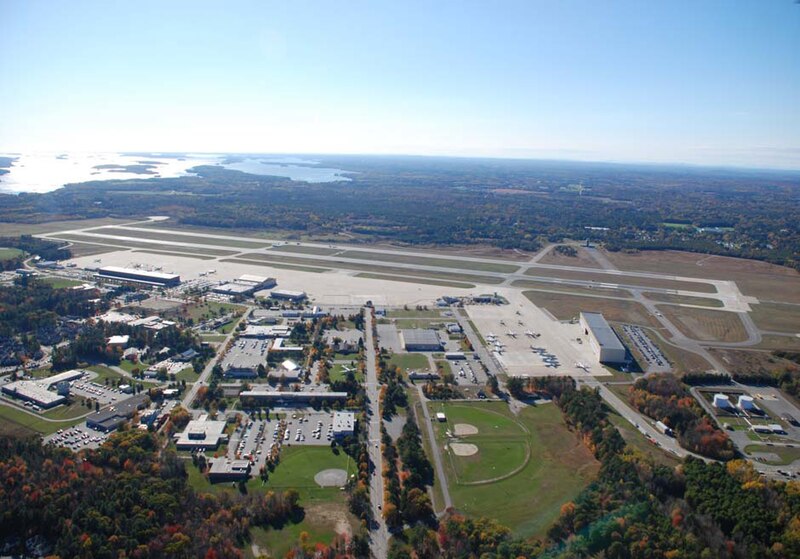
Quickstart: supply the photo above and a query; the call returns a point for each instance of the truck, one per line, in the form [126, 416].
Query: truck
[664, 429]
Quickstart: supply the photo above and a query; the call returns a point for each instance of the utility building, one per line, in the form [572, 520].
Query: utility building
[421, 339]
[602, 338]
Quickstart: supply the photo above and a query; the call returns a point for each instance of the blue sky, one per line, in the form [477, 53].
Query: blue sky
[707, 82]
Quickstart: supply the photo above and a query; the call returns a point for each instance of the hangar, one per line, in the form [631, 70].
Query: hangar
[602, 338]
[421, 339]
[142, 277]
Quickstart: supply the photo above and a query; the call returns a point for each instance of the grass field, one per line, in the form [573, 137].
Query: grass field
[706, 325]
[406, 361]
[414, 313]
[622, 279]
[766, 281]
[21, 422]
[278, 265]
[565, 307]
[582, 259]
[422, 281]
[177, 250]
[573, 289]
[776, 317]
[413, 323]
[371, 268]
[60, 283]
[337, 372]
[299, 249]
[103, 373]
[16, 229]
[9, 253]
[174, 236]
[428, 261]
[194, 256]
[791, 343]
[786, 455]
[299, 465]
[682, 299]
[528, 501]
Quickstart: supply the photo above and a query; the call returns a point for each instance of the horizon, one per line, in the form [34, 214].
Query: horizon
[710, 84]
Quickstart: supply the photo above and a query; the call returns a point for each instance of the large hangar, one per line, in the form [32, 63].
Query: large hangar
[142, 277]
[602, 338]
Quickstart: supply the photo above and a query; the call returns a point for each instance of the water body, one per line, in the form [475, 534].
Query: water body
[289, 167]
[45, 172]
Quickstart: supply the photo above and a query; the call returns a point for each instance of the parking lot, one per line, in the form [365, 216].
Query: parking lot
[655, 361]
[94, 390]
[77, 437]
[468, 373]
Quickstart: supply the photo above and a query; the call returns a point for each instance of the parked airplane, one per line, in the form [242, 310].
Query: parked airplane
[511, 334]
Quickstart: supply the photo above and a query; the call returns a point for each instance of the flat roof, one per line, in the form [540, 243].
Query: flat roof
[251, 278]
[134, 271]
[420, 336]
[213, 432]
[344, 421]
[602, 332]
[32, 390]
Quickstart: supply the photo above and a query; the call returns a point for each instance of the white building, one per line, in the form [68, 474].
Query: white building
[344, 423]
[602, 338]
[201, 434]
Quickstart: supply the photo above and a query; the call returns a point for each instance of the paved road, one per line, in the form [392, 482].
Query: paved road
[379, 542]
[202, 380]
[437, 455]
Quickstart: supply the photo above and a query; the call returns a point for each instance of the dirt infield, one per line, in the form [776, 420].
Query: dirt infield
[463, 449]
[464, 429]
[331, 478]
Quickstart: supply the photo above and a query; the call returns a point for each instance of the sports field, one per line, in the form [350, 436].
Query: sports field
[525, 468]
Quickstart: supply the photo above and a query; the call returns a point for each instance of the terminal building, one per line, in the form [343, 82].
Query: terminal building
[139, 277]
[602, 338]
[421, 339]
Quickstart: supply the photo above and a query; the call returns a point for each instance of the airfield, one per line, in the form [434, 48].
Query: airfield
[684, 314]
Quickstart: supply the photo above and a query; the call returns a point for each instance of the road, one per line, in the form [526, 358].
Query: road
[437, 455]
[202, 380]
[379, 541]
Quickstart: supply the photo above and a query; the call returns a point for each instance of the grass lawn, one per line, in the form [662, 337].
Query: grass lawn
[20, 421]
[786, 454]
[428, 261]
[407, 361]
[60, 283]
[529, 500]
[104, 373]
[337, 372]
[228, 328]
[75, 410]
[706, 325]
[299, 465]
[9, 253]
[683, 299]
[411, 323]
[206, 310]
[213, 337]
[187, 374]
[413, 313]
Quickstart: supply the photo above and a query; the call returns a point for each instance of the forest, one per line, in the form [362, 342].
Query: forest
[445, 201]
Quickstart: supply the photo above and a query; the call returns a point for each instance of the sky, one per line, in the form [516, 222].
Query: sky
[699, 82]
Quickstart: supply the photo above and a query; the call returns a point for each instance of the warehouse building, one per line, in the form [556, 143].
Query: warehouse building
[602, 338]
[140, 277]
[421, 339]
[39, 391]
[244, 357]
[111, 417]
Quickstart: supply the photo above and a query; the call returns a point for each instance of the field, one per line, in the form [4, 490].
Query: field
[573, 289]
[622, 279]
[789, 343]
[582, 260]
[776, 317]
[276, 265]
[406, 361]
[427, 261]
[565, 307]
[530, 495]
[423, 281]
[414, 313]
[9, 253]
[706, 325]
[16, 229]
[753, 361]
[786, 455]
[760, 279]
[60, 283]
[161, 252]
[174, 236]
[204, 311]
[372, 268]
[299, 249]
[166, 247]
[682, 299]
[20, 422]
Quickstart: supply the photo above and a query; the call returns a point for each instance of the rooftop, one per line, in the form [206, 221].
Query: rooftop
[603, 333]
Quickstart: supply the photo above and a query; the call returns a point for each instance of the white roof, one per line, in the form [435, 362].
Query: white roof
[113, 340]
[343, 421]
[121, 270]
[251, 278]
[290, 365]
